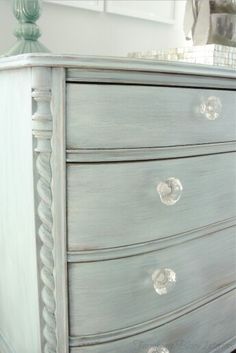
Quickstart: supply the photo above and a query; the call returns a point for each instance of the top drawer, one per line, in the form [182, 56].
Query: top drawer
[128, 116]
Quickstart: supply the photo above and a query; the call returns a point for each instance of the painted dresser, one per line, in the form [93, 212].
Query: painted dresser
[118, 205]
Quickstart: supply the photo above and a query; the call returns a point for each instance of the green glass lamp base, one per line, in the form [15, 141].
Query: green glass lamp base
[24, 46]
[27, 32]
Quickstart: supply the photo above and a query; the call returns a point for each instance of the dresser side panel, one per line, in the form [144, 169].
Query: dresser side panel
[19, 310]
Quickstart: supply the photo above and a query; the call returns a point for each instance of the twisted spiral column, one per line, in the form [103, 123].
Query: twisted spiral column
[42, 130]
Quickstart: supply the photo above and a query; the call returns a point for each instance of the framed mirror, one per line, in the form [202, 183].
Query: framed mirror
[94, 5]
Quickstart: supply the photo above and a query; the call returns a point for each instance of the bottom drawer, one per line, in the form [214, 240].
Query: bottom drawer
[209, 329]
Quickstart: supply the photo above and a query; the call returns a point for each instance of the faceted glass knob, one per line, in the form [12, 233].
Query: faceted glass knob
[170, 191]
[159, 349]
[164, 280]
[211, 108]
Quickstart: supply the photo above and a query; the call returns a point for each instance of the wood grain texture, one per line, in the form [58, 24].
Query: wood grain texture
[59, 207]
[116, 204]
[113, 209]
[19, 302]
[208, 329]
[77, 63]
[135, 154]
[80, 341]
[129, 76]
[119, 252]
[120, 116]
[123, 288]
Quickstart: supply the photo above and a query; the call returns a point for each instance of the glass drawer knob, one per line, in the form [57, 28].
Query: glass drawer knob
[159, 349]
[164, 280]
[170, 191]
[211, 108]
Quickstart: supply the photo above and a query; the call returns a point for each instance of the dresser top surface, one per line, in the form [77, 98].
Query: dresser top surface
[113, 63]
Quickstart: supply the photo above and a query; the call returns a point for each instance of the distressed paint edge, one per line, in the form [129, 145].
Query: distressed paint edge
[147, 247]
[152, 153]
[5, 346]
[129, 77]
[111, 63]
[226, 347]
[59, 203]
[152, 324]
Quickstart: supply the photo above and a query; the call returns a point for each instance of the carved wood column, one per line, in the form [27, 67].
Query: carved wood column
[43, 132]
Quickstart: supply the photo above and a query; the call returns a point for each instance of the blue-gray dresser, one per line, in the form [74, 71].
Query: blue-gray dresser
[118, 206]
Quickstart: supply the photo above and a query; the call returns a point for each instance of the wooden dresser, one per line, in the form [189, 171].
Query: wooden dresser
[118, 206]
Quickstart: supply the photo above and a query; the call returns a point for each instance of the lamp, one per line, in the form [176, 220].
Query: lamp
[27, 31]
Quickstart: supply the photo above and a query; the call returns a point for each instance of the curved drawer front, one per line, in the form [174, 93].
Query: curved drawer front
[119, 116]
[116, 204]
[209, 329]
[118, 294]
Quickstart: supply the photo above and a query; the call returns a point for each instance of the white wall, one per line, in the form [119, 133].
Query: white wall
[72, 30]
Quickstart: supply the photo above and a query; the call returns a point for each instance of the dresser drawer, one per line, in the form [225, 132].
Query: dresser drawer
[126, 292]
[119, 116]
[116, 204]
[209, 329]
